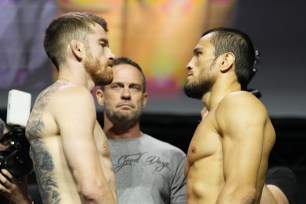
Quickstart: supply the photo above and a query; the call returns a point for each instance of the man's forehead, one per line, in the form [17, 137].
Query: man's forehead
[204, 42]
[125, 71]
[124, 67]
[206, 38]
[98, 30]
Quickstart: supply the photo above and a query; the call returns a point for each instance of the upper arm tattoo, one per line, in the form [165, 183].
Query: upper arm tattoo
[42, 159]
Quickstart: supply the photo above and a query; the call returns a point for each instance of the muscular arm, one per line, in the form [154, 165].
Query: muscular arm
[76, 119]
[241, 119]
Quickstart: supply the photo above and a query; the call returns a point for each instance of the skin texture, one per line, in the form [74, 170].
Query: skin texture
[228, 154]
[123, 101]
[68, 147]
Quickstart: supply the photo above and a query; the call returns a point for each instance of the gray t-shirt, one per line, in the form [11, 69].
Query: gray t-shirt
[148, 171]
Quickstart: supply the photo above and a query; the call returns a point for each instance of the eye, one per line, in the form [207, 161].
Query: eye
[136, 88]
[115, 86]
[103, 45]
[198, 53]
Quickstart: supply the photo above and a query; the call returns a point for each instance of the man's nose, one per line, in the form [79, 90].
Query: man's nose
[110, 54]
[189, 65]
[126, 94]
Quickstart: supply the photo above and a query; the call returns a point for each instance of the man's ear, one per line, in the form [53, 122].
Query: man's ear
[77, 49]
[228, 60]
[100, 97]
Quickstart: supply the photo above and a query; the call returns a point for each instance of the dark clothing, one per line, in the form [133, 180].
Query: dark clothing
[284, 178]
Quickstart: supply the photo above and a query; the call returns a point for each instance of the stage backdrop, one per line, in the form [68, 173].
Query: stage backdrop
[160, 35]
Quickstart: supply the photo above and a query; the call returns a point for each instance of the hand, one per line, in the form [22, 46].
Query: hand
[14, 190]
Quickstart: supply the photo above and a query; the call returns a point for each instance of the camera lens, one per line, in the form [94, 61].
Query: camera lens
[18, 164]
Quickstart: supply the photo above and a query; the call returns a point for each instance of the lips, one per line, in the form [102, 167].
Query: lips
[109, 63]
[189, 74]
[126, 105]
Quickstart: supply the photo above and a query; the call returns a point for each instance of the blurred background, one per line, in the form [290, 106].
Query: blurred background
[160, 35]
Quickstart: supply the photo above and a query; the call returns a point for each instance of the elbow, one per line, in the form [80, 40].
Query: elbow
[90, 192]
[238, 194]
[249, 195]
[96, 192]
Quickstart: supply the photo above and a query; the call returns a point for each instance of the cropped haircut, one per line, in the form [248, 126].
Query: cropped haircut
[67, 27]
[240, 44]
[125, 60]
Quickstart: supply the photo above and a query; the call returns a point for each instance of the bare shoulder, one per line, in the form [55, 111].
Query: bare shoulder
[65, 92]
[63, 96]
[58, 95]
[241, 107]
[58, 91]
[57, 101]
[40, 116]
[71, 102]
[242, 101]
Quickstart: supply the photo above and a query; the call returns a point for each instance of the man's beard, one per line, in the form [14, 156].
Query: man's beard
[122, 117]
[197, 89]
[100, 74]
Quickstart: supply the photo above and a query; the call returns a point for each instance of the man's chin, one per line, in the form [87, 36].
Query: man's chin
[104, 81]
[189, 92]
[124, 119]
[124, 113]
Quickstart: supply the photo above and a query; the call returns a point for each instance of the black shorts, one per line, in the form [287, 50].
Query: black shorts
[284, 178]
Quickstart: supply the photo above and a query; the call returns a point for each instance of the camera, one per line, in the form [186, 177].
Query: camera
[15, 156]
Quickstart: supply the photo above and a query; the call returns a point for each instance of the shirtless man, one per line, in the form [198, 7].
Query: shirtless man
[228, 155]
[69, 149]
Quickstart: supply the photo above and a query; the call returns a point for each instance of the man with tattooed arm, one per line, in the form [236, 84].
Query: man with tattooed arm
[68, 147]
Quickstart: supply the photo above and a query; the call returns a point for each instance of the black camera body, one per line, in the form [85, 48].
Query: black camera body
[15, 157]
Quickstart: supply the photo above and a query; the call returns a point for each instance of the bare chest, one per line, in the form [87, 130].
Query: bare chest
[206, 142]
[102, 143]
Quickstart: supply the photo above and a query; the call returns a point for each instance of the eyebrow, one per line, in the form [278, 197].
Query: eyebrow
[104, 40]
[123, 83]
[196, 50]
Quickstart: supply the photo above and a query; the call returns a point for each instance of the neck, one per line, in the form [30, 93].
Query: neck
[76, 76]
[220, 89]
[121, 130]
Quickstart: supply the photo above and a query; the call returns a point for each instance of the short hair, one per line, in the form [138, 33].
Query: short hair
[240, 44]
[125, 60]
[63, 29]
